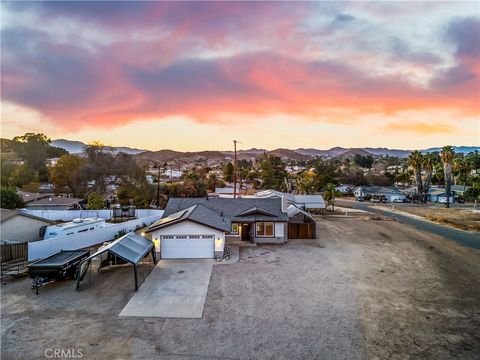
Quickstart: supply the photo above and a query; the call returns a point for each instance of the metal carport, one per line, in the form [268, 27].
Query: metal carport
[131, 248]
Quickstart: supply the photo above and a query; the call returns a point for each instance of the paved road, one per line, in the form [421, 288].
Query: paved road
[462, 237]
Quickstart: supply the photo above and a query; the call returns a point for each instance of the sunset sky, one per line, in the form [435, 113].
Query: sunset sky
[193, 76]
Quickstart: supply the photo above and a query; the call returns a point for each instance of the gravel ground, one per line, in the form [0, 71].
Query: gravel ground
[364, 289]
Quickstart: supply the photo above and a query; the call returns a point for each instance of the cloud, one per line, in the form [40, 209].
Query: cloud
[423, 128]
[205, 61]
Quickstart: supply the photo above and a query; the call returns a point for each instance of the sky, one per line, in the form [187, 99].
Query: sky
[195, 75]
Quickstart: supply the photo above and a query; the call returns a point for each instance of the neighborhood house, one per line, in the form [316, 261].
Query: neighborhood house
[199, 227]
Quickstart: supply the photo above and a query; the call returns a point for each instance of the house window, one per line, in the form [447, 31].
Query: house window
[264, 229]
[234, 228]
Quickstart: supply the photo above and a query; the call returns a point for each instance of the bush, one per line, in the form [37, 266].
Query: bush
[95, 202]
[9, 199]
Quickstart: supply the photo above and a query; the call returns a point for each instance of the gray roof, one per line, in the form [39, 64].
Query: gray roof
[379, 190]
[130, 247]
[8, 214]
[269, 209]
[196, 213]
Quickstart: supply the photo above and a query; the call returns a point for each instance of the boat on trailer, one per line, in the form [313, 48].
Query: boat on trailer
[62, 265]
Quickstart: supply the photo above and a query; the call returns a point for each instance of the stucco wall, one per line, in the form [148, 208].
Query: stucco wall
[279, 237]
[21, 229]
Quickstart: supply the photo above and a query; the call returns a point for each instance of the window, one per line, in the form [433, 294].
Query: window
[83, 230]
[264, 229]
[234, 228]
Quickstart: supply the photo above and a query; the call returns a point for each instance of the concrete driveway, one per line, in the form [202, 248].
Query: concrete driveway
[174, 289]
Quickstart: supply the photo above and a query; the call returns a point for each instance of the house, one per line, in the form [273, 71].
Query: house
[306, 202]
[18, 227]
[54, 203]
[199, 227]
[438, 194]
[459, 190]
[390, 194]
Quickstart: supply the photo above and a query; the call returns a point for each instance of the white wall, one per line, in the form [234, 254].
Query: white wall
[185, 228]
[21, 229]
[43, 248]
[67, 215]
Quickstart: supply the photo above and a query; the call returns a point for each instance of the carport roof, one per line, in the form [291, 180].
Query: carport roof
[130, 247]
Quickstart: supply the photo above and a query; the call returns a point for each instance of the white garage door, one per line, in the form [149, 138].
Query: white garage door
[187, 246]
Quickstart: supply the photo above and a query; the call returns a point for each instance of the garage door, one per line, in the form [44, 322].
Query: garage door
[187, 246]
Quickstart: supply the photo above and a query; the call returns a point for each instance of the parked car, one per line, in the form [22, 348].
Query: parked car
[398, 200]
[361, 199]
[460, 200]
[374, 200]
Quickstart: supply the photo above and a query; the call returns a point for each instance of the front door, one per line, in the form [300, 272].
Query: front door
[246, 232]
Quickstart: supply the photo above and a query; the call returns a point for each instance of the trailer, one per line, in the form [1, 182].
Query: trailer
[60, 266]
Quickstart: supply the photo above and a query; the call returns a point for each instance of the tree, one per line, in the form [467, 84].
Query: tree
[9, 199]
[472, 193]
[273, 173]
[228, 170]
[363, 161]
[428, 163]
[34, 149]
[473, 159]
[326, 172]
[415, 161]
[66, 173]
[95, 201]
[462, 167]
[447, 154]
[329, 195]
[22, 175]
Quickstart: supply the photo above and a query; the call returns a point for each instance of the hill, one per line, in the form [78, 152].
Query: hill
[353, 152]
[76, 147]
[286, 154]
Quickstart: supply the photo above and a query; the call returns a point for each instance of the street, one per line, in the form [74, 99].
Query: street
[459, 236]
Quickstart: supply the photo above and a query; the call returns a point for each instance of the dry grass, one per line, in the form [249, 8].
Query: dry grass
[460, 218]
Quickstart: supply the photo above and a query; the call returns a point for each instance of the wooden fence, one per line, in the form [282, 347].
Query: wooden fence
[301, 231]
[11, 252]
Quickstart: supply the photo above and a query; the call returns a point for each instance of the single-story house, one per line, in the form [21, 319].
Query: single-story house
[18, 227]
[199, 227]
[51, 202]
[438, 194]
[306, 202]
[459, 190]
[390, 194]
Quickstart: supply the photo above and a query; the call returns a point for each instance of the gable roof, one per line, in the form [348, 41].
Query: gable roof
[197, 213]
[8, 214]
[231, 209]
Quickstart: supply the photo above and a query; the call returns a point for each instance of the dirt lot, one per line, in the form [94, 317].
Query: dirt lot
[465, 219]
[365, 289]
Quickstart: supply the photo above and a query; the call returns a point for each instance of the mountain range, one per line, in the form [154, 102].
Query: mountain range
[297, 154]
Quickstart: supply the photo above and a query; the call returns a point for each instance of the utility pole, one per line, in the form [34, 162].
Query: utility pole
[158, 186]
[235, 169]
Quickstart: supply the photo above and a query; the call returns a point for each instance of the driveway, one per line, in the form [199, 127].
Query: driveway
[174, 289]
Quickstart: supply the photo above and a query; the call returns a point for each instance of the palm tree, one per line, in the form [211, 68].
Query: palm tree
[415, 161]
[462, 167]
[447, 154]
[329, 195]
[429, 161]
